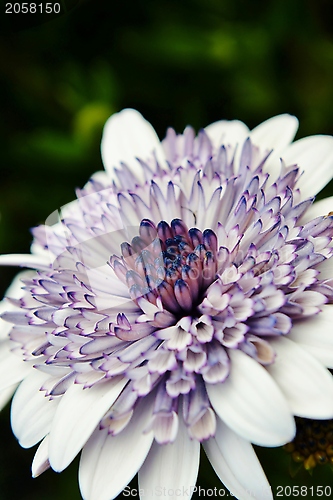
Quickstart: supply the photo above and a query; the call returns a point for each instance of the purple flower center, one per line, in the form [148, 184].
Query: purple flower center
[170, 262]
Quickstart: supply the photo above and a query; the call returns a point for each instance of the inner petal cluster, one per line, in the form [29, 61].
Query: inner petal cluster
[169, 262]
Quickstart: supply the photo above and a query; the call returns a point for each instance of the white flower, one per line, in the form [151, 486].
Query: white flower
[185, 297]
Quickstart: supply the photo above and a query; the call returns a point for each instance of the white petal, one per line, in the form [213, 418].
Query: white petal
[90, 459]
[319, 208]
[315, 335]
[306, 384]
[314, 155]
[31, 411]
[41, 462]
[79, 412]
[226, 132]
[26, 260]
[251, 403]
[325, 269]
[108, 463]
[6, 394]
[13, 369]
[5, 326]
[127, 136]
[171, 466]
[237, 465]
[275, 133]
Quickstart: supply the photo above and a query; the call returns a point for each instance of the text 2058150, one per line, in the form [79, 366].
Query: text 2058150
[32, 8]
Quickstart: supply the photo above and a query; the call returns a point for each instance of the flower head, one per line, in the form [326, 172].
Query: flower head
[184, 297]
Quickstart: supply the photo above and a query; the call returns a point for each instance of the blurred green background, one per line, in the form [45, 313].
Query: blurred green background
[179, 62]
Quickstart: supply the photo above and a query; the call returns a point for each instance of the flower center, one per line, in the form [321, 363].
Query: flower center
[170, 262]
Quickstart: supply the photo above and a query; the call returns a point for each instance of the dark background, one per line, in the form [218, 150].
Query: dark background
[179, 62]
